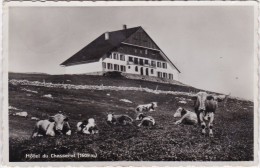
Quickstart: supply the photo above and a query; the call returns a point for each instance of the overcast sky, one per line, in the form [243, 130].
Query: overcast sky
[211, 46]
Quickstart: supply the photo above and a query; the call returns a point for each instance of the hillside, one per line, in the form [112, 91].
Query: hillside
[102, 80]
[233, 125]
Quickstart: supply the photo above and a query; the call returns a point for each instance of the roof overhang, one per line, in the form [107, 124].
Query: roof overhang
[77, 63]
[164, 56]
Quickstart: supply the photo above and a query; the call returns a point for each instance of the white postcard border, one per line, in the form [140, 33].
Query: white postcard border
[5, 126]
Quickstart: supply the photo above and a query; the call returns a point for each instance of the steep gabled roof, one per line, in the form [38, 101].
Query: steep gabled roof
[99, 47]
[164, 55]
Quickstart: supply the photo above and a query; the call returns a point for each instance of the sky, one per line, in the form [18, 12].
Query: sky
[212, 46]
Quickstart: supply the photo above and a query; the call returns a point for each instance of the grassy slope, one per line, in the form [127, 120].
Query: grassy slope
[97, 80]
[233, 126]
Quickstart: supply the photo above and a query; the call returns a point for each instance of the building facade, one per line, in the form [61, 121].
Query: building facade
[130, 51]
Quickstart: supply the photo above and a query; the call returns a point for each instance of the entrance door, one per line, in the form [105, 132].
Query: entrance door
[141, 71]
[147, 72]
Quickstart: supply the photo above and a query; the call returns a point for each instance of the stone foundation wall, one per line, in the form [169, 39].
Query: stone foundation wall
[140, 77]
[95, 73]
[152, 79]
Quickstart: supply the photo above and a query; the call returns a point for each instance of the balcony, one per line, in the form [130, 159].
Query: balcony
[141, 64]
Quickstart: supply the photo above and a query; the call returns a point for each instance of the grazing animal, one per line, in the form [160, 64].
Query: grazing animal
[146, 107]
[87, 126]
[187, 117]
[57, 124]
[119, 119]
[34, 118]
[145, 120]
[22, 114]
[205, 107]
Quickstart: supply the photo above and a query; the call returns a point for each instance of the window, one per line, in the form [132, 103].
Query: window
[141, 51]
[122, 68]
[130, 59]
[116, 67]
[122, 57]
[159, 74]
[164, 75]
[170, 76]
[153, 63]
[146, 52]
[164, 65]
[146, 62]
[114, 55]
[135, 50]
[151, 71]
[104, 65]
[159, 65]
[141, 62]
[136, 68]
[135, 60]
[109, 66]
[129, 67]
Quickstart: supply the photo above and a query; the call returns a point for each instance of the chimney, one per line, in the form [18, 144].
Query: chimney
[106, 35]
[124, 27]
